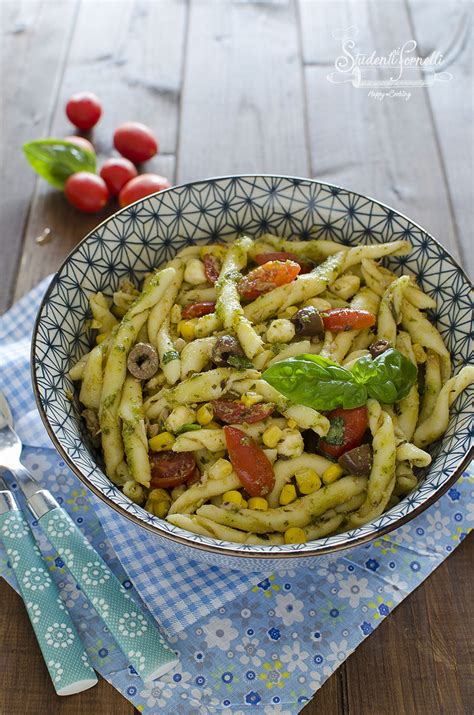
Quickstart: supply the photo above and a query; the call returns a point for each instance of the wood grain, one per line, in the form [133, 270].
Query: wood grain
[243, 102]
[387, 149]
[135, 68]
[39, 29]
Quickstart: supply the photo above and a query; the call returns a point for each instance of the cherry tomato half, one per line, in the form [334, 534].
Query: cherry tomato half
[212, 267]
[170, 469]
[262, 258]
[86, 192]
[196, 310]
[346, 431]
[84, 110]
[135, 141]
[116, 172]
[81, 142]
[236, 412]
[347, 319]
[267, 277]
[250, 463]
[141, 186]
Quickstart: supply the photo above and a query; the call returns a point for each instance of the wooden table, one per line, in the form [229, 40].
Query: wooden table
[242, 87]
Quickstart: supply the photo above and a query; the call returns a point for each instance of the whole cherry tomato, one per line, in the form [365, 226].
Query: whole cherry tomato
[170, 469]
[196, 310]
[262, 258]
[264, 278]
[81, 142]
[84, 110]
[116, 172]
[212, 267]
[236, 412]
[347, 319]
[86, 192]
[135, 141]
[250, 462]
[346, 431]
[141, 186]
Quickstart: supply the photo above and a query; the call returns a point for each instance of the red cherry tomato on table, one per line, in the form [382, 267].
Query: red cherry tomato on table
[170, 469]
[141, 186]
[116, 173]
[347, 319]
[346, 432]
[86, 192]
[212, 267]
[135, 141]
[250, 463]
[81, 142]
[267, 277]
[262, 258]
[236, 412]
[196, 310]
[83, 110]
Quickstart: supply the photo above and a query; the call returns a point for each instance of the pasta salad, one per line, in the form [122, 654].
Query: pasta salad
[268, 391]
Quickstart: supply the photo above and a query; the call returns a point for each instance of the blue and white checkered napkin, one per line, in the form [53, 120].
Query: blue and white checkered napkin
[177, 591]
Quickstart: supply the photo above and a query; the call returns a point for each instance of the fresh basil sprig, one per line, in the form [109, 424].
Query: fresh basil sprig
[55, 159]
[320, 383]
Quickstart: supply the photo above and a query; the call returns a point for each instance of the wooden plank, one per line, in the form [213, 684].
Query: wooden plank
[420, 659]
[126, 54]
[26, 687]
[39, 29]
[243, 105]
[386, 149]
[446, 27]
[329, 698]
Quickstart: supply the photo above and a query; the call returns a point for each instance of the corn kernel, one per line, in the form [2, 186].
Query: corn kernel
[308, 481]
[186, 329]
[232, 497]
[295, 535]
[100, 338]
[213, 425]
[292, 424]
[251, 398]
[158, 508]
[258, 503]
[244, 505]
[287, 494]
[332, 473]
[161, 442]
[205, 414]
[272, 436]
[220, 469]
[159, 494]
[291, 310]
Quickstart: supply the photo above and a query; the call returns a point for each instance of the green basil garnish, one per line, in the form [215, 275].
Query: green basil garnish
[188, 427]
[170, 356]
[320, 383]
[55, 159]
[240, 362]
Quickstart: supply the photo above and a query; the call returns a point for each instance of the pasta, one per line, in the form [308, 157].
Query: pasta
[227, 392]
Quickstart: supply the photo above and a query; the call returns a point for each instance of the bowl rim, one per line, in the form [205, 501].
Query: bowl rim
[264, 552]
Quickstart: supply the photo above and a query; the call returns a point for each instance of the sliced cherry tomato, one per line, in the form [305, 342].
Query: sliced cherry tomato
[232, 412]
[135, 141]
[346, 432]
[116, 172]
[170, 469]
[81, 142]
[347, 319]
[250, 462]
[267, 277]
[141, 186]
[196, 310]
[262, 258]
[212, 267]
[86, 192]
[83, 110]
[194, 478]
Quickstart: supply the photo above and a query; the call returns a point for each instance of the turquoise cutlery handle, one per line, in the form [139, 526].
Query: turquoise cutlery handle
[136, 634]
[60, 644]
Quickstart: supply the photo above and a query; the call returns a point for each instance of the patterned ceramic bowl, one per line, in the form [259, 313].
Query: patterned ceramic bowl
[141, 236]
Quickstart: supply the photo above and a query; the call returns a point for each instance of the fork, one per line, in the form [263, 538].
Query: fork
[135, 632]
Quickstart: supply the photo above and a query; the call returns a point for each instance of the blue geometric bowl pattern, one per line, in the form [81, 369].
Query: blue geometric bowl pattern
[141, 236]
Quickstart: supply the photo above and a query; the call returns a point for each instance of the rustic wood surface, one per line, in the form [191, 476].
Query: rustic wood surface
[241, 87]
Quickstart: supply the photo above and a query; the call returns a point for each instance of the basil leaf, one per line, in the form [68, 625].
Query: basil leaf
[170, 356]
[388, 378]
[55, 160]
[188, 427]
[316, 382]
[240, 362]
